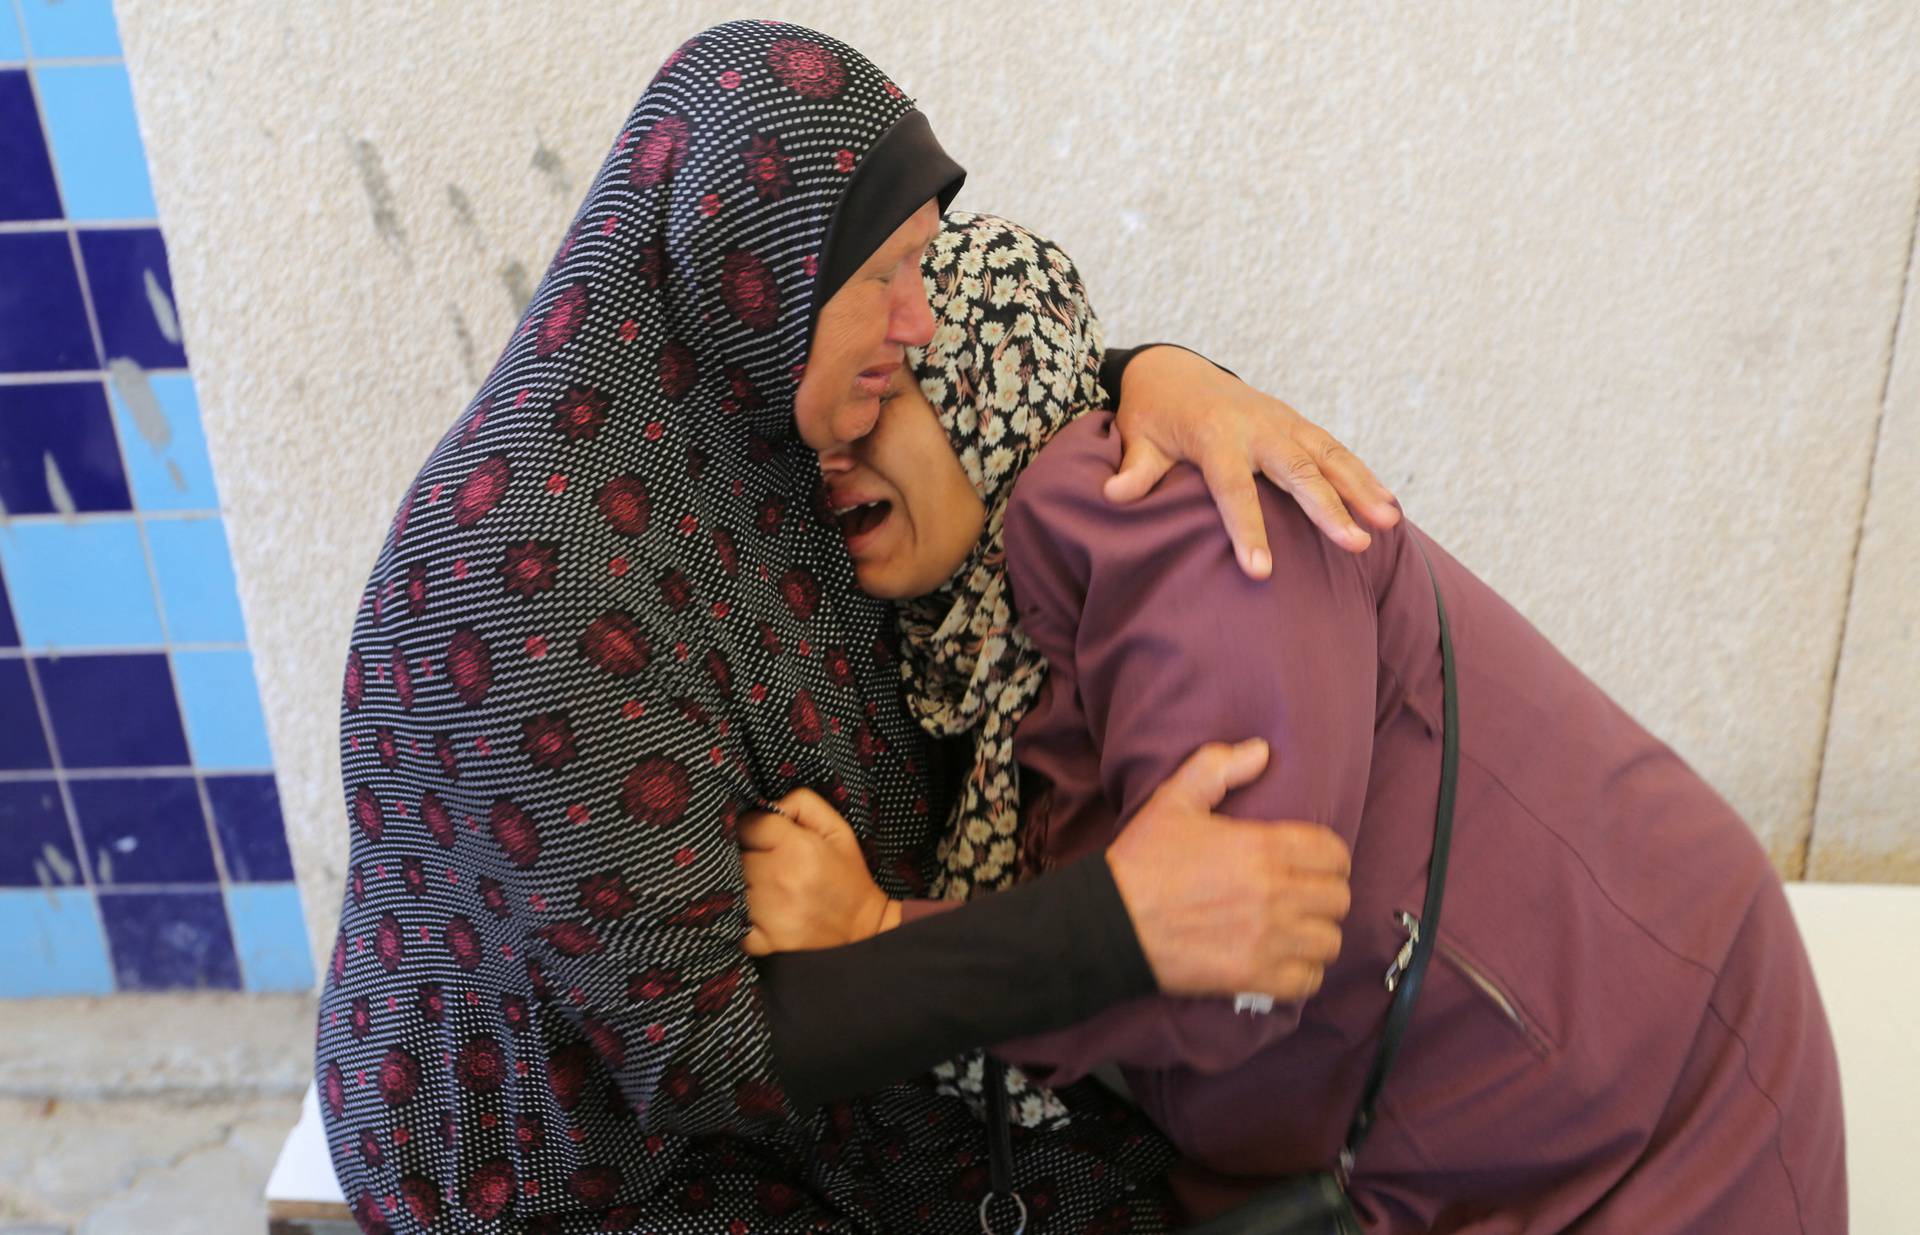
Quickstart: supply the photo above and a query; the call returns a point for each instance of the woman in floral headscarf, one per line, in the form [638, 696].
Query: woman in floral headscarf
[605, 622]
[1619, 1030]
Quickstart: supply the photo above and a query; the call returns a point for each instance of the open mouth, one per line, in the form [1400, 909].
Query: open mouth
[861, 519]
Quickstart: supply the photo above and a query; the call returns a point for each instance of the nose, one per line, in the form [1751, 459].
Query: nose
[910, 322]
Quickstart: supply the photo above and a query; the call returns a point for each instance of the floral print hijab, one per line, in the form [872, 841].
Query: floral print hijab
[1015, 356]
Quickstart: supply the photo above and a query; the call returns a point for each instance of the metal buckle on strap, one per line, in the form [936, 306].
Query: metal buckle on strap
[986, 1224]
[1404, 957]
[1343, 1167]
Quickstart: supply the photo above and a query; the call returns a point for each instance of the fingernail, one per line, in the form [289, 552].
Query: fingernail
[1260, 561]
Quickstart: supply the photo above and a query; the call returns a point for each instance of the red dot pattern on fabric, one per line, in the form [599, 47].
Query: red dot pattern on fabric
[537, 1016]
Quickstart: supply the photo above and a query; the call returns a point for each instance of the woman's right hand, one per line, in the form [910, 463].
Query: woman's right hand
[807, 882]
[1223, 906]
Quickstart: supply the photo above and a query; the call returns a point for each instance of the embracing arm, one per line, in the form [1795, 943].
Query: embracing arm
[1204, 910]
[1152, 628]
[944, 984]
[1173, 405]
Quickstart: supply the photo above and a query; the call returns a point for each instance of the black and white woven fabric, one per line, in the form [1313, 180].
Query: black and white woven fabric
[608, 617]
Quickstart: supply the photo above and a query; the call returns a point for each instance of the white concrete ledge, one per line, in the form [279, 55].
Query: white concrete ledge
[1861, 938]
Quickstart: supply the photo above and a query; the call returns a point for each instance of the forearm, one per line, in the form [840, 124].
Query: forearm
[951, 981]
[1143, 1032]
[1127, 1031]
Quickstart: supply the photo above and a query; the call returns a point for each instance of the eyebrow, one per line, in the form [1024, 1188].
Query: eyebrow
[907, 250]
[894, 257]
[925, 240]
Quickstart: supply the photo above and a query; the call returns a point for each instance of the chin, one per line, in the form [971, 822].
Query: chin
[861, 411]
[873, 582]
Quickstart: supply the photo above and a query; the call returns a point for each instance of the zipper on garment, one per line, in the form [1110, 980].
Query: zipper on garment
[1466, 969]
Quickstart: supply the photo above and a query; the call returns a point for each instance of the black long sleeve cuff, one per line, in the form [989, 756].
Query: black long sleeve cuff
[1036, 957]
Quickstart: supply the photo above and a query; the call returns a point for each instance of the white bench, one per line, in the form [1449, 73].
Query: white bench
[1862, 939]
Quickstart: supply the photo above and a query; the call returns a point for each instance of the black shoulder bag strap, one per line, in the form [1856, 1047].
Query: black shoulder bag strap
[1409, 974]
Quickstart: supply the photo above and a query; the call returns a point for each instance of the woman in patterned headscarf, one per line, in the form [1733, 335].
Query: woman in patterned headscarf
[1619, 1030]
[606, 621]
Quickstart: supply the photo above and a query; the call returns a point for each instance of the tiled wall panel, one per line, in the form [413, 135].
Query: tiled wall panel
[141, 841]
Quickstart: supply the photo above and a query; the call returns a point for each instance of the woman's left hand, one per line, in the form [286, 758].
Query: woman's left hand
[1177, 406]
[807, 882]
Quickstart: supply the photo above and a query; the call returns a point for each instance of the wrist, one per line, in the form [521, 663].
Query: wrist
[1167, 381]
[1174, 362]
[1153, 361]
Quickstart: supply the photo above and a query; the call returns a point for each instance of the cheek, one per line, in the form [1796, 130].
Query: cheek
[824, 385]
[858, 322]
[812, 410]
[972, 516]
[956, 515]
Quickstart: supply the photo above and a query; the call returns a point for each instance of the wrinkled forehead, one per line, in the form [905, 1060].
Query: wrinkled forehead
[915, 235]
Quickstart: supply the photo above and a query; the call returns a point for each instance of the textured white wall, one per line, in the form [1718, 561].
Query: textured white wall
[1867, 823]
[1608, 292]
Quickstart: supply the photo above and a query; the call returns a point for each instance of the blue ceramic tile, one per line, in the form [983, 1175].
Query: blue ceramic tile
[253, 838]
[62, 28]
[196, 581]
[10, 46]
[36, 849]
[96, 142]
[169, 941]
[60, 433]
[271, 935]
[80, 585]
[54, 944]
[113, 711]
[166, 453]
[43, 322]
[23, 744]
[9, 633]
[133, 295]
[27, 190]
[144, 829]
[222, 707]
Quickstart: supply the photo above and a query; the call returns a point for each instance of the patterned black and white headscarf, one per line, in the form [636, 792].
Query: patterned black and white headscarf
[1015, 355]
[599, 628]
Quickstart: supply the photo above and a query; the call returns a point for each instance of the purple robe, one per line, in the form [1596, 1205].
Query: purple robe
[1619, 1030]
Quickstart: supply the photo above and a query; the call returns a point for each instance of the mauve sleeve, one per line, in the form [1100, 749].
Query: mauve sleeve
[914, 910]
[1150, 626]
